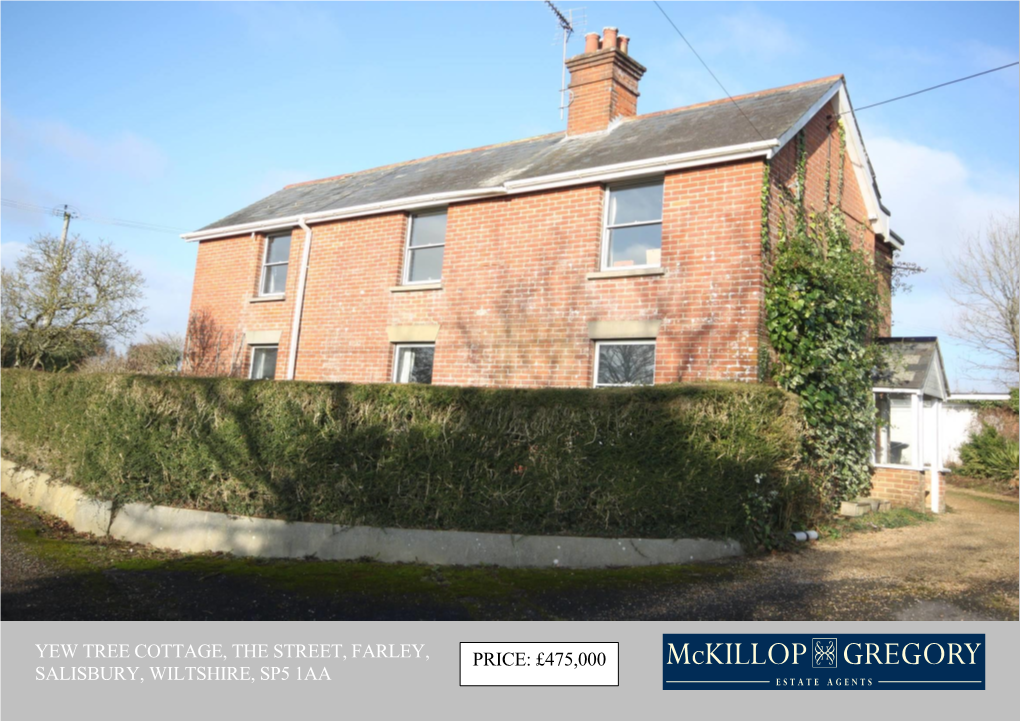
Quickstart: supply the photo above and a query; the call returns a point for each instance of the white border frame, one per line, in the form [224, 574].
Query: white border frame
[251, 360]
[397, 347]
[639, 341]
[405, 277]
[607, 230]
[265, 257]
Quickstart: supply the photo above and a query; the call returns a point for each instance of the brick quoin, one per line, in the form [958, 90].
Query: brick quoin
[515, 302]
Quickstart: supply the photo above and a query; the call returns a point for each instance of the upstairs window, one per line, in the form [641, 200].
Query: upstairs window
[426, 238]
[624, 363]
[263, 362]
[633, 232]
[274, 265]
[413, 363]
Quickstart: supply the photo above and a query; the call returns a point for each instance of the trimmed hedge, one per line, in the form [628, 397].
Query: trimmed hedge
[712, 461]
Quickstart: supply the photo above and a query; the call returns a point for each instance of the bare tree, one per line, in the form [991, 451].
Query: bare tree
[901, 272]
[985, 286]
[209, 349]
[67, 300]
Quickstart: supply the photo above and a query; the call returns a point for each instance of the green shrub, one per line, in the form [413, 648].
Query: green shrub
[989, 455]
[714, 460]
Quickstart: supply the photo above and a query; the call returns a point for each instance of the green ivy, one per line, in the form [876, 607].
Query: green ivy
[822, 308]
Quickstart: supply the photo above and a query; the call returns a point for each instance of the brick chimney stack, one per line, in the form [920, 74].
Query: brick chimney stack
[603, 83]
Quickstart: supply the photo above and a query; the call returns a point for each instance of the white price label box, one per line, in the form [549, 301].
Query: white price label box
[540, 663]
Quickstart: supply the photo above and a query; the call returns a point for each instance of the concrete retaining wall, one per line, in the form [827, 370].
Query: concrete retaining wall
[202, 531]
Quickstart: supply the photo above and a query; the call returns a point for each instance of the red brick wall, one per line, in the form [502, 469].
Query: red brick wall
[227, 275]
[515, 302]
[906, 488]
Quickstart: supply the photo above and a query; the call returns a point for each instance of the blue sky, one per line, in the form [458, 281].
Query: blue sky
[177, 114]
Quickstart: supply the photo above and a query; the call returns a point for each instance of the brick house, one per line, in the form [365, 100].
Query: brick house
[625, 250]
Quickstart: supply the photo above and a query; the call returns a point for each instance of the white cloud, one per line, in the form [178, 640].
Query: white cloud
[750, 33]
[938, 202]
[935, 197]
[10, 252]
[126, 153]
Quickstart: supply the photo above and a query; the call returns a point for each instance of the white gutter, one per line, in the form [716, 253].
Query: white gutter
[592, 175]
[299, 302]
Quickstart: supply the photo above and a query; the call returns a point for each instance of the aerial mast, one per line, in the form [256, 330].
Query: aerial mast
[567, 24]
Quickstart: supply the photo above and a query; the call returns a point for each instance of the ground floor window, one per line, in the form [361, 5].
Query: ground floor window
[624, 363]
[413, 363]
[263, 362]
[896, 431]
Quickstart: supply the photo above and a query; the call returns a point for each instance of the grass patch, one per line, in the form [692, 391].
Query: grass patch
[318, 578]
[894, 518]
[1002, 505]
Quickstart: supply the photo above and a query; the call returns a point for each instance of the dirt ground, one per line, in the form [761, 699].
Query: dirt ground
[962, 566]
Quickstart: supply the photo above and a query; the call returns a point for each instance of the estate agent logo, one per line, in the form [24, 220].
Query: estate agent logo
[857, 661]
[823, 653]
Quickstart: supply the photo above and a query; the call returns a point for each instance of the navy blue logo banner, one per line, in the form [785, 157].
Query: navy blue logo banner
[852, 661]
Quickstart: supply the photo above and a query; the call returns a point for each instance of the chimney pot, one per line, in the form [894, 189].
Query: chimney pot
[591, 42]
[609, 38]
[624, 41]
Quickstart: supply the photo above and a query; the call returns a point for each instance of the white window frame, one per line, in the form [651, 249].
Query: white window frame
[251, 359]
[397, 347]
[916, 401]
[607, 228]
[266, 264]
[641, 341]
[408, 249]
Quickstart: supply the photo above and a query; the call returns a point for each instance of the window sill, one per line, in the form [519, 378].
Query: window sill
[624, 273]
[418, 286]
[267, 298]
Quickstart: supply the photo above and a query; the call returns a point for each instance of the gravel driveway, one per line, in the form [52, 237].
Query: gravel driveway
[962, 567]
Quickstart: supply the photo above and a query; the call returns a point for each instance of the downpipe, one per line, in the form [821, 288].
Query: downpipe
[299, 302]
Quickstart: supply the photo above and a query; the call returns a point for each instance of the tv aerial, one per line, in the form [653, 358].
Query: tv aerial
[570, 21]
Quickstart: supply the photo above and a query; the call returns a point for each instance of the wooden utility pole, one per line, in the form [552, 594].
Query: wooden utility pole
[68, 214]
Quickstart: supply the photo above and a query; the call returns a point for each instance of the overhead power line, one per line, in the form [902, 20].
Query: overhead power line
[934, 87]
[718, 82]
[134, 224]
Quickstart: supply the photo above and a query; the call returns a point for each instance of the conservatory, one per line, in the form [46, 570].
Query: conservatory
[909, 396]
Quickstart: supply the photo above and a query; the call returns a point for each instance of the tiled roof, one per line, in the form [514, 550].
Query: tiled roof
[684, 130]
[910, 361]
